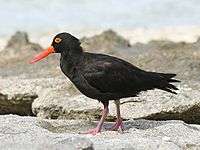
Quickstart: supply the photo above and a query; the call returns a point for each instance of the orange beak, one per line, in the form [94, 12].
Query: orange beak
[43, 54]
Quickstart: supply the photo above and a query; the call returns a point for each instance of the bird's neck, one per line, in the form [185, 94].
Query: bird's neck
[70, 59]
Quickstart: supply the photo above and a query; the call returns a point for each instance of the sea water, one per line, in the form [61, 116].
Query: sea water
[137, 20]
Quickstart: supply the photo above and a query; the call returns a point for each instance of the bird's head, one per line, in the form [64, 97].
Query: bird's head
[62, 43]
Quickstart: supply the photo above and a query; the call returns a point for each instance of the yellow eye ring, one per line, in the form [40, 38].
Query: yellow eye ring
[58, 40]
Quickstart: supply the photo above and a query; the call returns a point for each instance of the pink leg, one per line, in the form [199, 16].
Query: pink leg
[119, 123]
[100, 124]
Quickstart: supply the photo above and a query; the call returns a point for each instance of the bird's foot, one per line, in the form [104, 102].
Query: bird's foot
[92, 131]
[117, 125]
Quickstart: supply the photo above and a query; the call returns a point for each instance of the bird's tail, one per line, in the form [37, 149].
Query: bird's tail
[164, 81]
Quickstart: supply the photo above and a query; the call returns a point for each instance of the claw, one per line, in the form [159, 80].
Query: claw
[117, 125]
[92, 131]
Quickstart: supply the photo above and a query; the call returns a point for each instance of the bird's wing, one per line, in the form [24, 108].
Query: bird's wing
[114, 76]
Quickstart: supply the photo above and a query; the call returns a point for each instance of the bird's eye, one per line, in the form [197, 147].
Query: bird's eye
[58, 40]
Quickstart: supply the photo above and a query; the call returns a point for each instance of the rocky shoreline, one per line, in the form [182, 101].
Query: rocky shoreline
[41, 90]
[33, 133]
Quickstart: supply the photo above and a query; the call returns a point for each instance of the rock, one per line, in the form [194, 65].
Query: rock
[20, 40]
[32, 133]
[19, 47]
[187, 113]
[57, 99]
[18, 94]
[166, 56]
[158, 55]
[155, 105]
[108, 41]
[25, 133]
[159, 105]
[17, 104]
[15, 58]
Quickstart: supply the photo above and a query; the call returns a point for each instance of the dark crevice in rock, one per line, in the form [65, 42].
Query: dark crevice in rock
[92, 114]
[190, 115]
[88, 114]
[19, 104]
[73, 127]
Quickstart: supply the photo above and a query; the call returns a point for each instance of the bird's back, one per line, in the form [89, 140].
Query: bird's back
[113, 78]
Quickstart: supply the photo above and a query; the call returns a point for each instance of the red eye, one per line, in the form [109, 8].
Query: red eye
[58, 40]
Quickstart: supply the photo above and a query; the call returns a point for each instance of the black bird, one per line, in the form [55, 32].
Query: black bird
[104, 77]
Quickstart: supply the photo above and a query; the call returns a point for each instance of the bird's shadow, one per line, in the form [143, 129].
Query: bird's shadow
[140, 124]
[83, 125]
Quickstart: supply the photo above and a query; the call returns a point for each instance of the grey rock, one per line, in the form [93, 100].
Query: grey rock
[166, 56]
[25, 133]
[56, 94]
[108, 41]
[19, 46]
[15, 57]
[155, 105]
[161, 55]
[32, 133]
[159, 105]
[57, 99]
[188, 113]
[20, 40]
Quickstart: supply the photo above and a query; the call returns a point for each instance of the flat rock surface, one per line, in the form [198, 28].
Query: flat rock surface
[32, 133]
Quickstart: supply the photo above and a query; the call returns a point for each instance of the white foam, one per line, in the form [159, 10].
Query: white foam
[3, 42]
[176, 34]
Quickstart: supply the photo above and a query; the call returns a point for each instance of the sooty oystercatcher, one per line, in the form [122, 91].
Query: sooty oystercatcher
[104, 77]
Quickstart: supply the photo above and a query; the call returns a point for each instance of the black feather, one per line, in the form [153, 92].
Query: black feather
[105, 77]
[164, 81]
